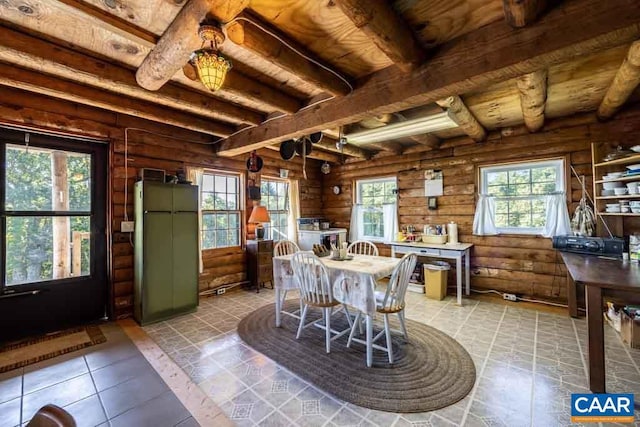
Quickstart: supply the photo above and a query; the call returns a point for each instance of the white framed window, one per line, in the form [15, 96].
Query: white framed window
[519, 191]
[375, 210]
[220, 204]
[274, 194]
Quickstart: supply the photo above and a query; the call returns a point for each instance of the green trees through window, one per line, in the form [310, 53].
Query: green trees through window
[274, 194]
[372, 195]
[220, 205]
[38, 183]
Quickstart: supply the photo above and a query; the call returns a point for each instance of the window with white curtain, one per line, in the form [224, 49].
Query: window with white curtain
[372, 219]
[220, 196]
[274, 194]
[519, 194]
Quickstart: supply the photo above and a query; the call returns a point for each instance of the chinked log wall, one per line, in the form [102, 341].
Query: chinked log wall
[145, 150]
[510, 263]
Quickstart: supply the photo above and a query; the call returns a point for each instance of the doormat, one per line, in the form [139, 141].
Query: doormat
[32, 350]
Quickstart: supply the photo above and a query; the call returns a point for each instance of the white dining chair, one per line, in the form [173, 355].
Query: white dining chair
[362, 247]
[316, 290]
[389, 302]
[287, 247]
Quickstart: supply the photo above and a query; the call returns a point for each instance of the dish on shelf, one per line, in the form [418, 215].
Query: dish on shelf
[621, 191]
[606, 193]
[613, 175]
[635, 148]
[618, 153]
[612, 185]
[635, 167]
[635, 210]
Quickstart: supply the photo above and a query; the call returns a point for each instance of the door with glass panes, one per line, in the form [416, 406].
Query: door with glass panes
[53, 219]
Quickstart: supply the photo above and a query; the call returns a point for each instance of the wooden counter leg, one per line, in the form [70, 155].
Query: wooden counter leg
[595, 327]
[572, 296]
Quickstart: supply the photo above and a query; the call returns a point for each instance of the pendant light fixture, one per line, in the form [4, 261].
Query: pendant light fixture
[212, 67]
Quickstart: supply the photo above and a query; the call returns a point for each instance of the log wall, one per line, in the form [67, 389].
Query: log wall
[149, 150]
[526, 265]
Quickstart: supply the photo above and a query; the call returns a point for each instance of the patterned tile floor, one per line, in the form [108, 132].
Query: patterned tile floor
[528, 363]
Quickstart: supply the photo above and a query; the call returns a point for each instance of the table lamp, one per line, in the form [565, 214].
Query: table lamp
[259, 215]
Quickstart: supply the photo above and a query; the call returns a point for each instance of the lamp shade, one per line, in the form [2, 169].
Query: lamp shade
[259, 214]
[212, 68]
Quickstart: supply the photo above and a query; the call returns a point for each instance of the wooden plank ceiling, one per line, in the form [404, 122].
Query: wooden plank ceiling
[492, 64]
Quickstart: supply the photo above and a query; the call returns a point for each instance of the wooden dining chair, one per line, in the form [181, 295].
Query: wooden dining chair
[316, 290]
[389, 302]
[362, 247]
[287, 247]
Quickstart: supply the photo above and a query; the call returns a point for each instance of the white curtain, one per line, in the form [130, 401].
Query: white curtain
[294, 212]
[484, 219]
[390, 215]
[195, 176]
[356, 226]
[557, 222]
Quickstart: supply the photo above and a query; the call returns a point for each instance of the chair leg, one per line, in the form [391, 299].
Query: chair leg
[387, 332]
[327, 324]
[356, 321]
[284, 298]
[303, 316]
[402, 324]
[346, 312]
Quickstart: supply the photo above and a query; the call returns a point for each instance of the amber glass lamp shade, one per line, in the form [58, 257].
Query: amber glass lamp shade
[259, 215]
[212, 68]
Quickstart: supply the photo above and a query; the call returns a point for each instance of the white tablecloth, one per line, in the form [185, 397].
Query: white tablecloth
[362, 272]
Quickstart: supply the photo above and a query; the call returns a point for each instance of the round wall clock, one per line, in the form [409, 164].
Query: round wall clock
[336, 189]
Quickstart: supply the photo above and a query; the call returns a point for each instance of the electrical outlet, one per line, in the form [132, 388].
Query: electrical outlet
[127, 226]
[510, 297]
[220, 291]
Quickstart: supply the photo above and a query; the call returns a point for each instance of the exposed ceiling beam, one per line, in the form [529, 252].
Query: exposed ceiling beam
[426, 139]
[493, 53]
[625, 81]
[250, 37]
[329, 144]
[316, 155]
[533, 97]
[387, 29]
[38, 55]
[519, 13]
[390, 146]
[52, 86]
[460, 114]
[181, 38]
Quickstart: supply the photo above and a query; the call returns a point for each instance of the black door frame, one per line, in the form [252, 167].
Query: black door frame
[32, 308]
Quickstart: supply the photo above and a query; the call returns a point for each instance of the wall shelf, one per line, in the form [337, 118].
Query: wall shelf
[626, 196]
[618, 214]
[623, 161]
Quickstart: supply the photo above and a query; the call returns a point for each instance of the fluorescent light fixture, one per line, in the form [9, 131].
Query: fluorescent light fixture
[436, 122]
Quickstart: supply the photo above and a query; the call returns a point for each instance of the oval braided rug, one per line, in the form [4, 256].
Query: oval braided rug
[430, 371]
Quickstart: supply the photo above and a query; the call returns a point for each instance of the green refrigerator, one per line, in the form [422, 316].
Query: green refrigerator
[166, 250]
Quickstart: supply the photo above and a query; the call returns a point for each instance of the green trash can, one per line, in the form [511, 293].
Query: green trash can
[435, 279]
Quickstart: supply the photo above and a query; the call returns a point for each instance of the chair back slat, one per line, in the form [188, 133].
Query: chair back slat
[313, 278]
[399, 283]
[362, 247]
[285, 247]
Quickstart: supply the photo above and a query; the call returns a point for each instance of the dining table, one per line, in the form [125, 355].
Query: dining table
[354, 283]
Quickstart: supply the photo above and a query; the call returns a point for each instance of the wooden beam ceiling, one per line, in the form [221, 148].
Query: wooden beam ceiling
[38, 55]
[253, 38]
[519, 13]
[460, 114]
[426, 139]
[329, 144]
[387, 30]
[490, 54]
[181, 38]
[533, 96]
[315, 154]
[626, 80]
[51, 86]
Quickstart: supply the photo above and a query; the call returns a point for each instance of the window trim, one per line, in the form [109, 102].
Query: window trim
[241, 208]
[288, 182]
[564, 168]
[356, 199]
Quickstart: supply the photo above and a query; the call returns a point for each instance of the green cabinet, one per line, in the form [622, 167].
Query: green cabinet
[166, 250]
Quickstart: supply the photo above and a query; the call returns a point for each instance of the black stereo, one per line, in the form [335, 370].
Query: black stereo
[589, 245]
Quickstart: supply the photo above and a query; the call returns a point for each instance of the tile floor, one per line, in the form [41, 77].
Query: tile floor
[110, 384]
[528, 363]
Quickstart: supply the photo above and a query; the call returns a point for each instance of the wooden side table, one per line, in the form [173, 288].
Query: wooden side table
[259, 262]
